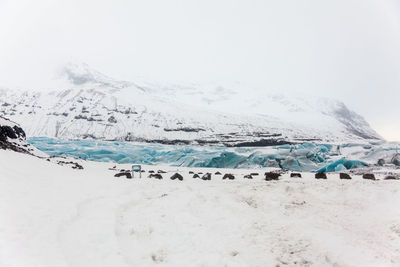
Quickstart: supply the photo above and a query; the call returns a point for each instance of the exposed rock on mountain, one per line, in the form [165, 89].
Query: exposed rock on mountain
[93, 105]
[13, 137]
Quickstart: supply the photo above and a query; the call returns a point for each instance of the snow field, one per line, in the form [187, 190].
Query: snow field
[56, 216]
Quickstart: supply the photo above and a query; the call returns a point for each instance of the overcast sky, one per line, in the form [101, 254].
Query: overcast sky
[345, 49]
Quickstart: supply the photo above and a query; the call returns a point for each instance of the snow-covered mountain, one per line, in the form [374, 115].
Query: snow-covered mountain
[93, 105]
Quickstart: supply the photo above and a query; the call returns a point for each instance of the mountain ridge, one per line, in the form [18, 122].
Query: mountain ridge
[93, 105]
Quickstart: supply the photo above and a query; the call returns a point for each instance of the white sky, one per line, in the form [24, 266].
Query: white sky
[346, 49]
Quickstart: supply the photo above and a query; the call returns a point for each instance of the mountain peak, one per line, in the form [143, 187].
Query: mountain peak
[82, 74]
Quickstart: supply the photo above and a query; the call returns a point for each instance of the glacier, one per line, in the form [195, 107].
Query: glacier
[299, 157]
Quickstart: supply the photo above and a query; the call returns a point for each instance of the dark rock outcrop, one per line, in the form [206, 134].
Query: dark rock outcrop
[206, 176]
[369, 176]
[13, 138]
[228, 176]
[112, 119]
[177, 176]
[260, 143]
[320, 175]
[74, 165]
[196, 175]
[218, 173]
[126, 174]
[295, 175]
[248, 176]
[270, 176]
[343, 175]
[11, 132]
[391, 177]
[156, 176]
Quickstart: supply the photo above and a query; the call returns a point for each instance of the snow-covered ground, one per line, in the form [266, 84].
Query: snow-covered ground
[53, 215]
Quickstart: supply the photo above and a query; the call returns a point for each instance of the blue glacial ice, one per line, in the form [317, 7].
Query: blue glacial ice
[341, 165]
[300, 157]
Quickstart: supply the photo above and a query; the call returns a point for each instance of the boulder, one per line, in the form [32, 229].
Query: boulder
[206, 176]
[320, 175]
[228, 176]
[248, 176]
[269, 176]
[126, 174]
[218, 173]
[254, 173]
[368, 176]
[196, 175]
[156, 176]
[177, 176]
[391, 177]
[343, 175]
[161, 171]
[295, 175]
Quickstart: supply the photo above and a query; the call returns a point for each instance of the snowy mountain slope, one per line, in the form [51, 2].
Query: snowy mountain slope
[90, 104]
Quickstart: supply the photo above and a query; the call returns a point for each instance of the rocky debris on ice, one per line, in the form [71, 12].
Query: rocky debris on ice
[73, 164]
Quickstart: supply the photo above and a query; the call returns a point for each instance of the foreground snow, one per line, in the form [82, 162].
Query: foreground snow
[56, 216]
